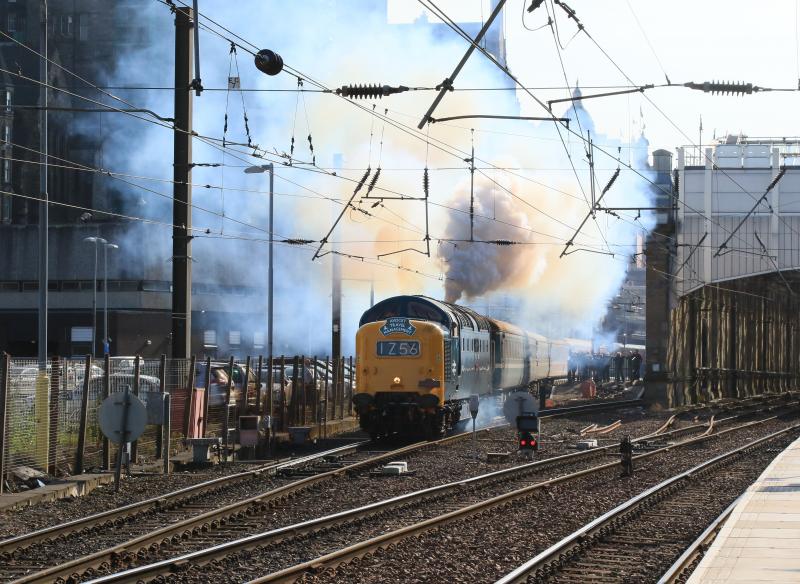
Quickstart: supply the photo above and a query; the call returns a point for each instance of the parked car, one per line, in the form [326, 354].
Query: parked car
[218, 385]
[119, 382]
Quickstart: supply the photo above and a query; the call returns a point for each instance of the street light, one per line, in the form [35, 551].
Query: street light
[271, 170]
[95, 241]
[106, 343]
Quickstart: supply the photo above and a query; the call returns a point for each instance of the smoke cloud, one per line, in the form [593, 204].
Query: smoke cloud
[341, 43]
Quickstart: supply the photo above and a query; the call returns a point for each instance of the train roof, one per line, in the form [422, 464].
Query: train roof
[425, 308]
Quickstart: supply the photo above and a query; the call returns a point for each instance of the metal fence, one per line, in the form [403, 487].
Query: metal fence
[49, 415]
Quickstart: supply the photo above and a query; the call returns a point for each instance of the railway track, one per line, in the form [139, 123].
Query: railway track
[114, 536]
[632, 542]
[682, 568]
[394, 518]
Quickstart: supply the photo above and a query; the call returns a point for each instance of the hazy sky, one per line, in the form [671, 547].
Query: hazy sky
[729, 40]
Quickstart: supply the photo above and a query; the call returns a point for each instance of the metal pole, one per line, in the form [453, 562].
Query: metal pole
[448, 83]
[227, 410]
[191, 390]
[270, 264]
[5, 368]
[106, 392]
[126, 400]
[106, 344]
[137, 372]
[94, 302]
[44, 218]
[206, 397]
[336, 306]
[182, 192]
[162, 389]
[79, 455]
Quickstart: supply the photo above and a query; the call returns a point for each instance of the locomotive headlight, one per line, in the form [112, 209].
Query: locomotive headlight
[396, 381]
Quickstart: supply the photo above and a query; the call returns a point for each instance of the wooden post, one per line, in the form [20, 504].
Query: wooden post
[227, 411]
[167, 429]
[283, 392]
[55, 404]
[79, 453]
[106, 392]
[5, 368]
[295, 401]
[350, 380]
[315, 404]
[245, 388]
[206, 397]
[191, 376]
[258, 383]
[341, 388]
[137, 373]
[325, 402]
[162, 389]
[268, 402]
[305, 388]
[335, 388]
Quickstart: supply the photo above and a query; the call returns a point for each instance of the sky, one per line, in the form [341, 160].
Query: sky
[730, 40]
[526, 190]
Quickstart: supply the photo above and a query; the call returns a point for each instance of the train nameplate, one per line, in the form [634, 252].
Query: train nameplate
[397, 325]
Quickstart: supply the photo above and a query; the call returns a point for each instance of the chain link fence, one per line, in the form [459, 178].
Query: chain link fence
[49, 415]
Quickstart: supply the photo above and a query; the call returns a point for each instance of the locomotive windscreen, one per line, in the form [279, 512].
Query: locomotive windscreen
[407, 306]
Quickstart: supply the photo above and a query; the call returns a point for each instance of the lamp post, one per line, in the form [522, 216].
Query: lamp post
[95, 241]
[106, 343]
[271, 170]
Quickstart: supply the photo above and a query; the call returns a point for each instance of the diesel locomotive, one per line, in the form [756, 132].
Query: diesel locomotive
[418, 360]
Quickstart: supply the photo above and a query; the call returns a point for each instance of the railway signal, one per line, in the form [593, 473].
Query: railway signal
[527, 441]
[528, 427]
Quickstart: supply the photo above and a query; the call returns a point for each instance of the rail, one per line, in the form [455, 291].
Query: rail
[202, 556]
[66, 569]
[558, 551]
[698, 547]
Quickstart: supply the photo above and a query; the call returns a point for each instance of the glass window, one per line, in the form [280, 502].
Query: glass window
[210, 338]
[83, 27]
[81, 334]
[235, 337]
[12, 22]
[258, 340]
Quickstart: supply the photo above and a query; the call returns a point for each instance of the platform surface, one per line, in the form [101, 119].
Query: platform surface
[760, 541]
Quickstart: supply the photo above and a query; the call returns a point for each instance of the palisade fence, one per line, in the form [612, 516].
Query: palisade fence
[49, 418]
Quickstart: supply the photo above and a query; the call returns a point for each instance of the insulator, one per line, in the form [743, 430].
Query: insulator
[612, 181]
[501, 242]
[298, 241]
[535, 4]
[374, 180]
[724, 88]
[269, 62]
[369, 91]
[426, 183]
[362, 181]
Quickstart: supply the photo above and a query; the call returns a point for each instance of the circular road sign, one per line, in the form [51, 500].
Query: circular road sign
[111, 413]
[518, 404]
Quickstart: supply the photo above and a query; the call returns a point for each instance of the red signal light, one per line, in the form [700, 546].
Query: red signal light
[523, 443]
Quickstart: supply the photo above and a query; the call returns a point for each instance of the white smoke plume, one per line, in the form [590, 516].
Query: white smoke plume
[341, 43]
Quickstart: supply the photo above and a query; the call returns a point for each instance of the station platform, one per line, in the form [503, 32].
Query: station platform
[760, 541]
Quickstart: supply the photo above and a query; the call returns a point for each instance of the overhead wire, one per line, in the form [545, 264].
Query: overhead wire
[518, 83]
